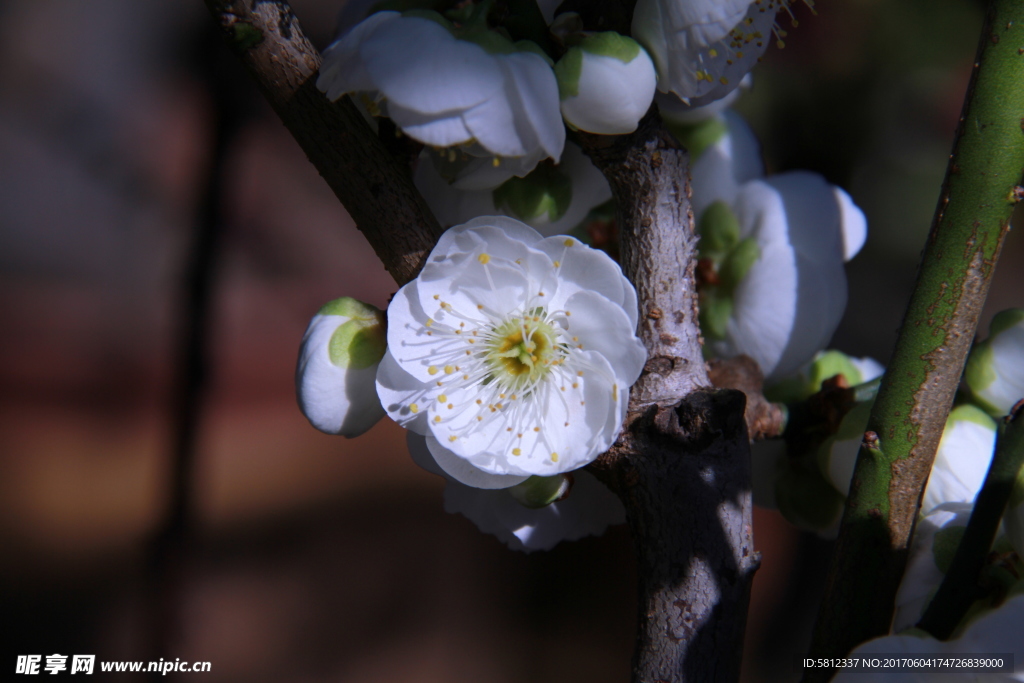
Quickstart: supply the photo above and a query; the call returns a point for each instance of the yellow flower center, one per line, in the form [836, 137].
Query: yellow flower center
[522, 351]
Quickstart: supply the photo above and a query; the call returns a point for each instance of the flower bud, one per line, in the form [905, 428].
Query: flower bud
[335, 377]
[962, 460]
[824, 365]
[606, 84]
[995, 369]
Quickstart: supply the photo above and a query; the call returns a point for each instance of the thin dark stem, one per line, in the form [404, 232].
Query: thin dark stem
[171, 541]
[960, 587]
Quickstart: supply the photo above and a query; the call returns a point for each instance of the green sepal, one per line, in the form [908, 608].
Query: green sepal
[738, 263]
[567, 73]
[826, 364]
[715, 311]
[979, 373]
[970, 413]
[357, 344]
[545, 190]
[537, 492]
[1004, 320]
[697, 137]
[611, 44]
[719, 231]
[350, 308]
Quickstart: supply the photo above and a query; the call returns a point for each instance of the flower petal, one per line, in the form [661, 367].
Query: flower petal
[401, 394]
[343, 70]
[462, 471]
[588, 509]
[439, 130]
[420, 66]
[603, 327]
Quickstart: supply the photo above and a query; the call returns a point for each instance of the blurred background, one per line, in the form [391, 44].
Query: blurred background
[309, 557]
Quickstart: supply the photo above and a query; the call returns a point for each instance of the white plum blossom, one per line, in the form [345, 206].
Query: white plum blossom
[703, 48]
[606, 83]
[997, 631]
[962, 459]
[778, 289]
[512, 353]
[582, 506]
[337, 369]
[995, 369]
[551, 199]
[724, 154]
[936, 537]
[496, 99]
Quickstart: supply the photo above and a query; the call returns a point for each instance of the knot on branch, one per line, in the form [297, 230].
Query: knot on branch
[700, 419]
[764, 418]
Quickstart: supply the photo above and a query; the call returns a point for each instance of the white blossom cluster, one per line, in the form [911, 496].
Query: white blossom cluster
[492, 111]
[511, 356]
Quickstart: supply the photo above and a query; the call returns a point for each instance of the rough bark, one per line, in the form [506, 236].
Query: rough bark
[682, 465]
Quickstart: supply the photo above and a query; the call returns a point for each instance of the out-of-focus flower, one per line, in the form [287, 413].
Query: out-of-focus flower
[513, 354]
[773, 285]
[825, 364]
[497, 99]
[335, 378]
[574, 505]
[997, 631]
[606, 83]
[725, 154]
[962, 460]
[552, 199]
[703, 49]
[995, 369]
[936, 538]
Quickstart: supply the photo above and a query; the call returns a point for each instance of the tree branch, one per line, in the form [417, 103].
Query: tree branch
[374, 187]
[682, 465]
[910, 412]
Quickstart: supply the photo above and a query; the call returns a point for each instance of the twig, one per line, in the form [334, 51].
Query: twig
[173, 537]
[374, 187]
[909, 414]
[959, 587]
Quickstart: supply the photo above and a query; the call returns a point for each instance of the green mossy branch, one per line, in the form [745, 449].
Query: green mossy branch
[971, 221]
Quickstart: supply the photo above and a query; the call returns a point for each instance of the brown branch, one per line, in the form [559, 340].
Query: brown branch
[374, 187]
[764, 418]
[682, 464]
